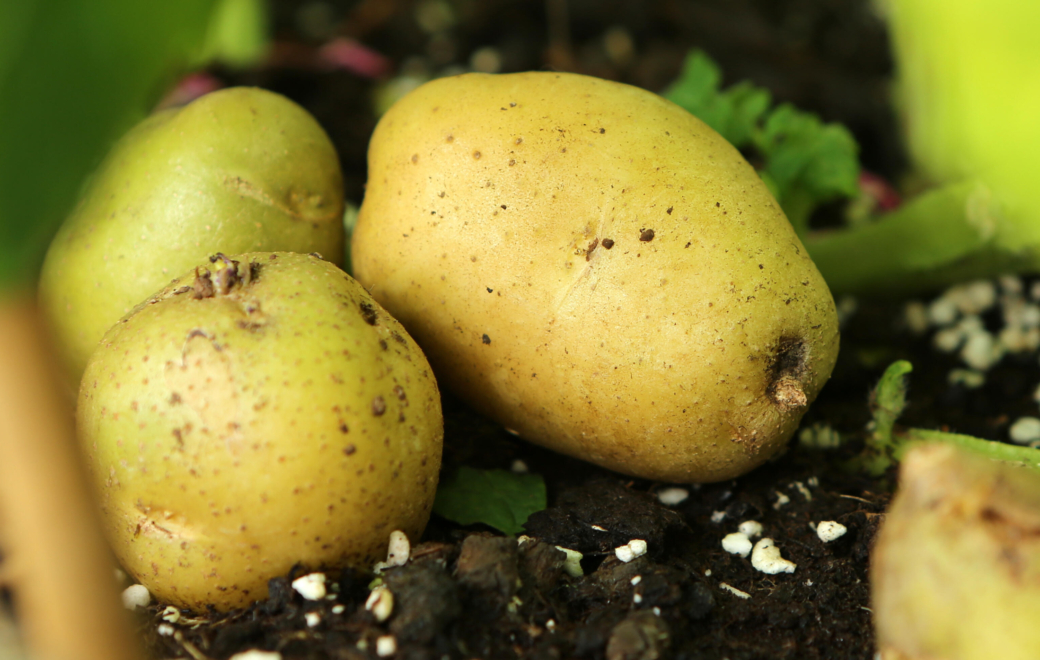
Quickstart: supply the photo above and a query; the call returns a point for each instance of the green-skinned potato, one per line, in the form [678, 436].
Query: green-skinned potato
[596, 269]
[264, 413]
[955, 570]
[237, 170]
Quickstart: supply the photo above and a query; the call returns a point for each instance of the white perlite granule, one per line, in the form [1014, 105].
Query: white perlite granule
[829, 530]
[672, 496]
[380, 603]
[399, 549]
[1025, 430]
[136, 595]
[737, 543]
[255, 654]
[386, 645]
[766, 557]
[733, 590]
[311, 586]
[572, 564]
[171, 614]
[750, 528]
[634, 548]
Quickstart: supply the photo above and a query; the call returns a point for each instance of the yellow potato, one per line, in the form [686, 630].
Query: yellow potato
[262, 414]
[595, 268]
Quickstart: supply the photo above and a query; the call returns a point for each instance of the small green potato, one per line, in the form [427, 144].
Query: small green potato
[596, 269]
[237, 170]
[260, 412]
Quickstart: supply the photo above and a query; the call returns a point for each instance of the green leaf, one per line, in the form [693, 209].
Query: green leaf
[74, 74]
[497, 498]
[734, 114]
[806, 161]
[809, 161]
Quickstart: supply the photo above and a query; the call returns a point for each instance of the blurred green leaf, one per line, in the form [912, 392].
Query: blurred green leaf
[497, 498]
[734, 114]
[806, 162]
[810, 162]
[237, 33]
[74, 74]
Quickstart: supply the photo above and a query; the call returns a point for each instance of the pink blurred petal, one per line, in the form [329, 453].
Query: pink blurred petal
[355, 57]
[881, 190]
[189, 88]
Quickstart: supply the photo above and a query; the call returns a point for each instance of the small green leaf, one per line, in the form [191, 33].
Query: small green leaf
[809, 161]
[497, 498]
[734, 114]
[806, 162]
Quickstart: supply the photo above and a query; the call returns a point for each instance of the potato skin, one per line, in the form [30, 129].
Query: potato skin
[595, 268]
[291, 420]
[237, 170]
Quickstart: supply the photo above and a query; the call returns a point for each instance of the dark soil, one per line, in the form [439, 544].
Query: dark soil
[469, 592]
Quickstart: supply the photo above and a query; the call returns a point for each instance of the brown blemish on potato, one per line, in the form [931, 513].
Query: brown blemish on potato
[378, 406]
[589, 250]
[203, 284]
[608, 243]
[646, 235]
[786, 371]
[485, 339]
[368, 312]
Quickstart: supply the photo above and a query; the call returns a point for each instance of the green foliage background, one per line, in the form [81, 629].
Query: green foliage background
[74, 75]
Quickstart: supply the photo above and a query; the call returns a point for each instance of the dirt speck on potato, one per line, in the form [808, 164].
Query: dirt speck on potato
[368, 312]
[646, 235]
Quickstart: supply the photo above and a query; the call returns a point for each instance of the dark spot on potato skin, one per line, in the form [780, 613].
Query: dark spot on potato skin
[378, 406]
[589, 250]
[646, 235]
[399, 391]
[349, 450]
[486, 339]
[368, 312]
[787, 368]
[343, 428]
[608, 243]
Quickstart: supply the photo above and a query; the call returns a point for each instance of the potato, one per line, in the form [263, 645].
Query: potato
[237, 170]
[955, 567]
[265, 413]
[597, 270]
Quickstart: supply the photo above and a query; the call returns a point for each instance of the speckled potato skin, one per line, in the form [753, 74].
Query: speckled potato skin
[595, 268]
[289, 421]
[237, 170]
